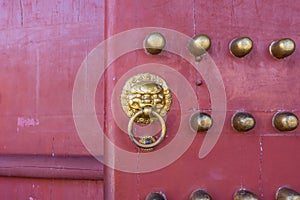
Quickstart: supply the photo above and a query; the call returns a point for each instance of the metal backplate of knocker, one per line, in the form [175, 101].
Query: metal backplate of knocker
[145, 90]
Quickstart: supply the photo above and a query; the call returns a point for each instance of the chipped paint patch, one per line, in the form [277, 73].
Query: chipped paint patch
[27, 122]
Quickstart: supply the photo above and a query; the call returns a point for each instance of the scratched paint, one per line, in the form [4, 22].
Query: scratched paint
[27, 122]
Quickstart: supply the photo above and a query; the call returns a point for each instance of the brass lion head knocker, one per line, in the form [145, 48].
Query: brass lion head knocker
[146, 98]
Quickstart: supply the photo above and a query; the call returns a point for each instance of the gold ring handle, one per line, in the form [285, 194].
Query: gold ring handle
[158, 141]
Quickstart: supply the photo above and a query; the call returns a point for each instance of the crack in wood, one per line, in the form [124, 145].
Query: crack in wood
[21, 12]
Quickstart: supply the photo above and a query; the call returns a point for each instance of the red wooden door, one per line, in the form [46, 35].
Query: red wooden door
[61, 87]
[42, 46]
[261, 160]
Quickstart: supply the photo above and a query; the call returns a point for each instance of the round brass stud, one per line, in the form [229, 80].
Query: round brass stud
[154, 43]
[244, 194]
[285, 121]
[199, 45]
[282, 48]
[201, 121]
[240, 47]
[285, 193]
[243, 122]
[156, 196]
[200, 195]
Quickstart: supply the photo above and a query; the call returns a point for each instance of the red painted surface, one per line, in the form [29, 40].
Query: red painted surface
[43, 44]
[35, 189]
[48, 167]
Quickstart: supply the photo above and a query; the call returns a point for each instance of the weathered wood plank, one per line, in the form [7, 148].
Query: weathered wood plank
[58, 167]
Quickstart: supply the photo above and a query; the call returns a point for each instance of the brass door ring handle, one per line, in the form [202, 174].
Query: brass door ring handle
[145, 99]
[162, 134]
